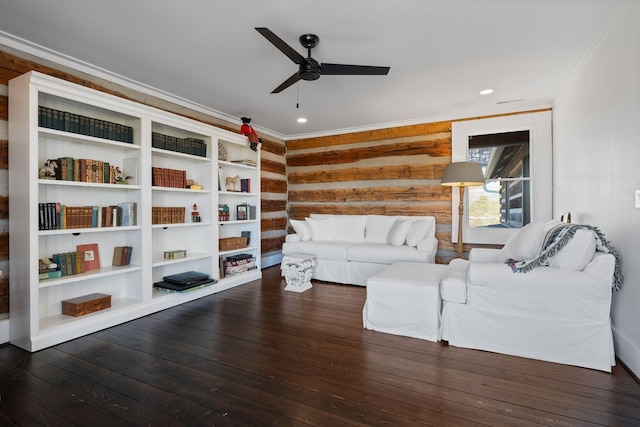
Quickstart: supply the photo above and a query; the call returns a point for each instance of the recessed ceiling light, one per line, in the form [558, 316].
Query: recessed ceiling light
[486, 91]
[302, 120]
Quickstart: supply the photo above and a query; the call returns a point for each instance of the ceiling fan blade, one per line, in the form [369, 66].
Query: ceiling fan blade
[291, 80]
[282, 45]
[352, 70]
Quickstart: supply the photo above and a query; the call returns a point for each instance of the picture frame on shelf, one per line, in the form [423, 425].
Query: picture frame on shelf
[91, 256]
[242, 212]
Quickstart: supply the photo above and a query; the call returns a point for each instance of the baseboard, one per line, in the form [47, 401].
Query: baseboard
[4, 331]
[271, 260]
[627, 352]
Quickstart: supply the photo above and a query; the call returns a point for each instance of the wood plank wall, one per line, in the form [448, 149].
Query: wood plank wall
[274, 186]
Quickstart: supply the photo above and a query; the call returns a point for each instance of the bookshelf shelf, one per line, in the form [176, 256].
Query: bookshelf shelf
[176, 154]
[188, 158]
[89, 275]
[190, 257]
[76, 138]
[92, 185]
[236, 165]
[116, 229]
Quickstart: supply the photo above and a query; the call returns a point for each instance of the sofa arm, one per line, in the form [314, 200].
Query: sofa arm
[429, 245]
[453, 286]
[483, 254]
[292, 238]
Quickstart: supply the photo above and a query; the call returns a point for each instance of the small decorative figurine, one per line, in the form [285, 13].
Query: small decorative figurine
[195, 215]
[120, 177]
[48, 171]
[247, 130]
[230, 182]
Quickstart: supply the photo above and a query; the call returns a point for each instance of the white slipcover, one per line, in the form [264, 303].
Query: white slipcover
[362, 246]
[548, 313]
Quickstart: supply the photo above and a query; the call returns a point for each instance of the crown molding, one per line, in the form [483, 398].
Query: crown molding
[22, 46]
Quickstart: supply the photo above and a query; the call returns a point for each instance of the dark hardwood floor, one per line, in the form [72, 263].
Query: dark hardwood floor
[256, 355]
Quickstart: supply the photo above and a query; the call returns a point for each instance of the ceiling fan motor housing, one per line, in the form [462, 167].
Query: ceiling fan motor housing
[309, 70]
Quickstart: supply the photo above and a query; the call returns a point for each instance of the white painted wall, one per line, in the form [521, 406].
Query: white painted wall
[596, 161]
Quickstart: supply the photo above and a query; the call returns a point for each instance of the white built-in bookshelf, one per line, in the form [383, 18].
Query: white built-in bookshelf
[111, 131]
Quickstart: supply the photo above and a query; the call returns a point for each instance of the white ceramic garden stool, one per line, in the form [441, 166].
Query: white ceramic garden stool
[404, 299]
[297, 270]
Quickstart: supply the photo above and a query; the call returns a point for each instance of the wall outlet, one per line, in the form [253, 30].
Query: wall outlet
[637, 198]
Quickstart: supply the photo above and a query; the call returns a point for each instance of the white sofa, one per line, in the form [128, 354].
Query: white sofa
[557, 312]
[351, 248]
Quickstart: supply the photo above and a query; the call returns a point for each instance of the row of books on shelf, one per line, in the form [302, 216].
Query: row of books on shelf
[85, 258]
[56, 216]
[76, 123]
[82, 170]
[194, 146]
[167, 214]
[223, 213]
[165, 177]
[236, 264]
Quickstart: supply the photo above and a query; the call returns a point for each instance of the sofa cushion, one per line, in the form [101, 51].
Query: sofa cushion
[325, 250]
[321, 230]
[398, 232]
[577, 253]
[378, 227]
[419, 231]
[301, 228]
[524, 244]
[383, 253]
[349, 228]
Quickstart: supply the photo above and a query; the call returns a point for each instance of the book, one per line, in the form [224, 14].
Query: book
[245, 185]
[121, 256]
[49, 275]
[91, 256]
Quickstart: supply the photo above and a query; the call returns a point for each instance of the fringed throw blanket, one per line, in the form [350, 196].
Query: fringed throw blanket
[557, 238]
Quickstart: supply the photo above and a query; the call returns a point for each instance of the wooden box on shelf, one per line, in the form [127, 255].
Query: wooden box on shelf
[232, 243]
[86, 304]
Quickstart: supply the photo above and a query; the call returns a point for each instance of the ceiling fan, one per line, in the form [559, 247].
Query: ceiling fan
[309, 68]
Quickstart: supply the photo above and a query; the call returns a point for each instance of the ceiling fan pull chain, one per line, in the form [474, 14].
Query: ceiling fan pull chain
[298, 94]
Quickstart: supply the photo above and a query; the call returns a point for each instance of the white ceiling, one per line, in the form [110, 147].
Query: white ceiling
[207, 52]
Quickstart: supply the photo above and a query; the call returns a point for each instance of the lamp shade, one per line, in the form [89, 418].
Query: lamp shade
[463, 174]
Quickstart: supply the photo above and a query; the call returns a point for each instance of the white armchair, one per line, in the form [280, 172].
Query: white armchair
[559, 312]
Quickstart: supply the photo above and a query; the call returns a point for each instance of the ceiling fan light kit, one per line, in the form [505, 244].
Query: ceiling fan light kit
[310, 69]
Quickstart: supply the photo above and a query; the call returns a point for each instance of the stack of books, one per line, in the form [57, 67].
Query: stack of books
[235, 264]
[48, 269]
[246, 162]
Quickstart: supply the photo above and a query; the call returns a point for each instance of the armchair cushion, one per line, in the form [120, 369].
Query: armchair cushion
[524, 244]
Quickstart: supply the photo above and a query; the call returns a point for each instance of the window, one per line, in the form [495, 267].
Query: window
[504, 201]
[515, 152]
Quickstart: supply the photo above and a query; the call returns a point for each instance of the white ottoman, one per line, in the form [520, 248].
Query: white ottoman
[297, 270]
[404, 299]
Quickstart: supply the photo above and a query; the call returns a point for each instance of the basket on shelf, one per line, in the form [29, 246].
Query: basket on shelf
[232, 243]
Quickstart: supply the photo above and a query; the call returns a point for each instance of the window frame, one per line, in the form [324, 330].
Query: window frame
[540, 145]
